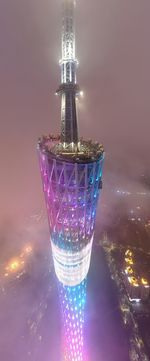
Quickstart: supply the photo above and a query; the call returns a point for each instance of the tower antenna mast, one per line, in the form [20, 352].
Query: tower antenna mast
[68, 89]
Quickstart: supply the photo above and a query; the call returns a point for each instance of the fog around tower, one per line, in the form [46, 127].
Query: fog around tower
[113, 49]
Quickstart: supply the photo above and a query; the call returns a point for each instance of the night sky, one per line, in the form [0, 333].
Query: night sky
[113, 50]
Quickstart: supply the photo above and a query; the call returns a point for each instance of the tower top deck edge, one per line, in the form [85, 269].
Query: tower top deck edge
[87, 152]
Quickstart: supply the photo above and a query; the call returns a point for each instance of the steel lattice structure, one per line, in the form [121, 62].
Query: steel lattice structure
[71, 170]
[71, 193]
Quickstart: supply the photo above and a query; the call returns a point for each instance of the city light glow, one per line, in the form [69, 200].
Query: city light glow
[81, 93]
[17, 264]
[138, 286]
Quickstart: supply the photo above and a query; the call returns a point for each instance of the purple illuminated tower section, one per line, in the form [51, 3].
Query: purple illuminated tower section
[71, 170]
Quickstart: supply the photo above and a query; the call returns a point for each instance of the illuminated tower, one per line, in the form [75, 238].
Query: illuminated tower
[71, 170]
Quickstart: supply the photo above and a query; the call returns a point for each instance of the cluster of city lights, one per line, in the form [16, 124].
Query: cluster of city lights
[134, 280]
[127, 193]
[17, 264]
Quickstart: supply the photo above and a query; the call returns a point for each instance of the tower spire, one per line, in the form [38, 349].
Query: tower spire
[68, 88]
[68, 61]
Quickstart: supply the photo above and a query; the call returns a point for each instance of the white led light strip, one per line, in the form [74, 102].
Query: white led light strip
[71, 267]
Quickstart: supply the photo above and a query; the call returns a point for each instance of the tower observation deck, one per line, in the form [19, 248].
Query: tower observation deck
[71, 171]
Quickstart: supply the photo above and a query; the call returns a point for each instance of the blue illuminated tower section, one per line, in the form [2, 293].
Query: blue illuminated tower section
[71, 170]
